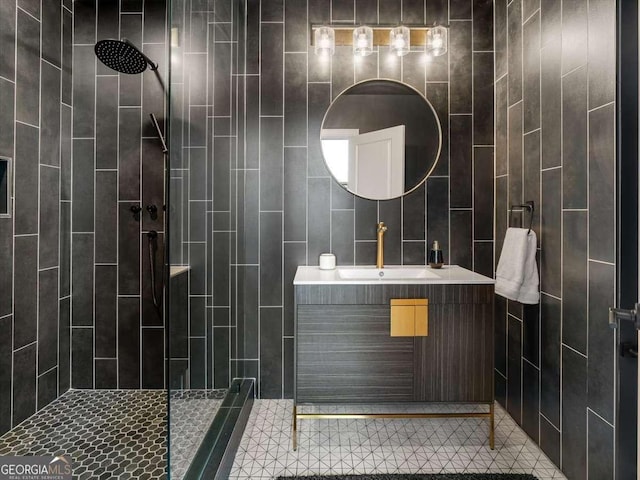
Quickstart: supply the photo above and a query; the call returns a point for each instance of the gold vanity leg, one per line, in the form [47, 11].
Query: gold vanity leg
[294, 432]
[492, 442]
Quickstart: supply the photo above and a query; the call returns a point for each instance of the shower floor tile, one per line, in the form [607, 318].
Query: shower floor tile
[117, 434]
[383, 445]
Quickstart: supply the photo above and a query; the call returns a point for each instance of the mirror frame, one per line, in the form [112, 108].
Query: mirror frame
[435, 114]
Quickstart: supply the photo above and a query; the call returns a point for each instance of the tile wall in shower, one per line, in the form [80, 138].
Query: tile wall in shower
[35, 131]
[117, 335]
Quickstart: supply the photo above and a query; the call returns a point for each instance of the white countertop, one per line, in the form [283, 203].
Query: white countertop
[448, 274]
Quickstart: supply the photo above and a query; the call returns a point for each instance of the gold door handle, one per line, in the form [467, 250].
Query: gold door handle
[409, 317]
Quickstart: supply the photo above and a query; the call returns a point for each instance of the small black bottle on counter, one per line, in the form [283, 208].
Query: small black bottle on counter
[436, 258]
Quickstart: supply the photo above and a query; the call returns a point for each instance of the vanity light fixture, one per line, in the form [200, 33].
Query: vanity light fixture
[324, 41]
[363, 41]
[437, 41]
[400, 40]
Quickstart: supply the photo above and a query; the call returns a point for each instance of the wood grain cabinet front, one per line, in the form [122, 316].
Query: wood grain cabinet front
[348, 352]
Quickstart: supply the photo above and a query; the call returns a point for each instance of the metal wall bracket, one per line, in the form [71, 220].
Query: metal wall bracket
[616, 314]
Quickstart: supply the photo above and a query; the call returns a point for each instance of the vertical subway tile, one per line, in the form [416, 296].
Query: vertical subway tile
[295, 193]
[84, 72]
[67, 56]
[49, 216]
[550, 358]
[483, 193]
[462, 240]
[550, 236]
[47, 320]
[514, 369]
[128, 251]
[129, 153]
[6, 373]
[483, 25]
[107, 122]
[84, 12]
[574, 142]
[550, 440]
[6, 265]
[8, 39]
[271, 352]
[106, 299]
[131, 85]
[530, 400]
[106, 209]
[392, 218]
[600, 447]
[390, 11]
[319, 98]
[461, 161]
[295, 99]
[152, 357]
[414, 213]
[574, 408]
[460, 67]
[51, 31]
[514, 39]
[574, 280]
[574, 34]
[271, 258]
[271, 10]
[531, 334]
[601, 184]
[221, 357]
[64, 345]
[367, 11]
[25, 280]
[295, 27]
[438, 213]
[83, 190]
[483, 258]
[27, 69]
[515, 154]
[26, 179]
[65, 153]
[248, 326]
[500, 38]
[342, 11]
[24, 383]
[342, 236]
[7, 118]
[106, 373]
[501, 127]
[602, 52]
[531, 73]
[65, 248]
[82, 358]
[551, 106]
[601, 348]
[271, 163]
[460, 9]
[221, 277]
[413, 10]
[50, 115]
[531, 185]
[129, 342]
[82, 279]
[271, 71]
[483, 98]
[319, 221]
[500, 337]
[295, 254]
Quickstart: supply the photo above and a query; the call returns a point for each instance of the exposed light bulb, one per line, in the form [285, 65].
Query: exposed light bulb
[363, 41]
[400, 40]
[325, 42]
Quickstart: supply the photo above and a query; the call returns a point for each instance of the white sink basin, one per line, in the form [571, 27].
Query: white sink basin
[386, 273]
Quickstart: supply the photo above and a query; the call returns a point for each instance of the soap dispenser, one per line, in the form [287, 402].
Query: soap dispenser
[436, 258]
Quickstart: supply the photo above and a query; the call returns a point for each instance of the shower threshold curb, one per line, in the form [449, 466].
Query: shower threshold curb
[214, 458]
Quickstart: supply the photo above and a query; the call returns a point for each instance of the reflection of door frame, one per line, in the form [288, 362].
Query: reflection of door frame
[627, 221]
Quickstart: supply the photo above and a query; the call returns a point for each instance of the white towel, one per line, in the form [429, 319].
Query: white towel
[517, 272]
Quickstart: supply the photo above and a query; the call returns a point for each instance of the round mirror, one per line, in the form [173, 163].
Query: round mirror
[380, 139]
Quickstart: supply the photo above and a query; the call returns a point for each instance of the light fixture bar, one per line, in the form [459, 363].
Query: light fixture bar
[344, 34]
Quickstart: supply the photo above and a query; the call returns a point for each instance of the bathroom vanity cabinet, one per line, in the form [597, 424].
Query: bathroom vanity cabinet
[346, 354]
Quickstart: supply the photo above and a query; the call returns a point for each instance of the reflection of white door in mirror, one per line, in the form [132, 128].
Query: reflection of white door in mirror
[376, 163]
[335, 148]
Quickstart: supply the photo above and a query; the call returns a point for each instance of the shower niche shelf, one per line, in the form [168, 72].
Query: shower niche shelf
[5, 187]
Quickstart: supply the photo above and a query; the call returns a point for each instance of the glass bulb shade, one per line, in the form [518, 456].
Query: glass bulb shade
[437, 38]
[363, 41]
[400, 40]
[324, 41]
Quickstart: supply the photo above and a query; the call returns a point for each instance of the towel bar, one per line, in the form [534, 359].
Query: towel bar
[530, 205]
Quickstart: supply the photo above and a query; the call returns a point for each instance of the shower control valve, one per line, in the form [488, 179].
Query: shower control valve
[153, 211]
[136, 209]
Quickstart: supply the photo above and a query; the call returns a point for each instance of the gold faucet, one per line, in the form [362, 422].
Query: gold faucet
[380, 256]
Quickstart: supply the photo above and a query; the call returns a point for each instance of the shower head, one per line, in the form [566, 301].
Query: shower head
[123, 56]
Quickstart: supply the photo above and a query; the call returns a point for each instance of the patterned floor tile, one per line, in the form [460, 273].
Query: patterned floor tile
[383, 446]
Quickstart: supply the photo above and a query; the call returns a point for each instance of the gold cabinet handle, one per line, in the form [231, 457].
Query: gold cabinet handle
[409, 317]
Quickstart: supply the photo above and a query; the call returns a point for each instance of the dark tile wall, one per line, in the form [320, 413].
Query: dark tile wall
[289, 209]
[117, 336]
[35, 131]
[555, 144]
[204, 152]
